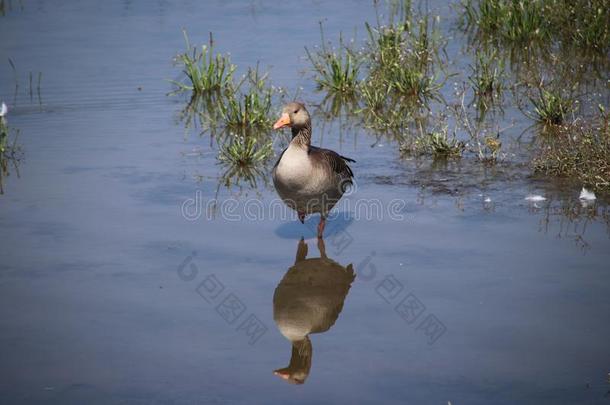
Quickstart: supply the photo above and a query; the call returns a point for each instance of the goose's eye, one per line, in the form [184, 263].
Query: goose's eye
[296, 111]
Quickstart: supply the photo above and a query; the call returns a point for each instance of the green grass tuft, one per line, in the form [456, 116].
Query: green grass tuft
[487, 77]
[551, 107]
[583, 25]
[249, 110]
[205, 70]
[336, 70]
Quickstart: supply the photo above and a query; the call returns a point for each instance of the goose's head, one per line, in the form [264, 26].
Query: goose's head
[300, 363]
[294, 115]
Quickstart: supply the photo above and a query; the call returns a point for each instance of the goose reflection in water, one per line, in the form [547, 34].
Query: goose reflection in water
[308, 300]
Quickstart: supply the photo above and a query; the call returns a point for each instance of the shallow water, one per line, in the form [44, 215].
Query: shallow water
[109, 294]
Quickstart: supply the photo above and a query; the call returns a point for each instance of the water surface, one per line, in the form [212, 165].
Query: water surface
[101, 294]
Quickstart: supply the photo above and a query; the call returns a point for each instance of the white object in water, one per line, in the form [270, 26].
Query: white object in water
[3, 110]
[487, 200]
[587, 195]
[535, 198]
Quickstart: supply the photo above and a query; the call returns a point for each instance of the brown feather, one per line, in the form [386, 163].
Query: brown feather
[334, 161]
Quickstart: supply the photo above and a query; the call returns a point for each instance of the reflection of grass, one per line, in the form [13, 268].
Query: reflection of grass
[336, 69]
[244, 158]
[579, 152]
[205, 71]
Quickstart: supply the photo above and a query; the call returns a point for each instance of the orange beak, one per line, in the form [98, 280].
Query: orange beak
[284, 121]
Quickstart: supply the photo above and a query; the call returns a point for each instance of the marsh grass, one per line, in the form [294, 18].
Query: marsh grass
[247, 107]
[487, 78]
[237, 113]
[551, 105]
[402, 54]
[579, 151]
[385, 113]
[336, 70]
[439, 144]
[392, 80]
[205, 71]
[582, 25]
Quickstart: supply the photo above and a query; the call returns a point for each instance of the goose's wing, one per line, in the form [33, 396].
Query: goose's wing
[332, 161]
[279, 158]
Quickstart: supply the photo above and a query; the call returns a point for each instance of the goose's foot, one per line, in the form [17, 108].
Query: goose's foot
[321, 227]
[302, 217]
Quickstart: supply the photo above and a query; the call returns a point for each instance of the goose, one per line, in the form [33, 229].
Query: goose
[307, 178]
[308, 300]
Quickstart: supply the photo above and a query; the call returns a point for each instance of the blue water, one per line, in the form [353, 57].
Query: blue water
[108, 294]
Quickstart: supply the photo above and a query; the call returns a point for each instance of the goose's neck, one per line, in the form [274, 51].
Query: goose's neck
[301, 136]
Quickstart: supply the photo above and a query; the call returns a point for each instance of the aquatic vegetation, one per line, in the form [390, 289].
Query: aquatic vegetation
[580, 25]
[416, 85]
[249, 109]
[551, 106]
[244, 158]
[506, 20]
[205, 70]
[401, 55]
[393, 79]
[437, 143]
[10, 151]
[484, 139]
[487, 77]
[336, 70]
[383, 113]
[31, 83]
[579, 151]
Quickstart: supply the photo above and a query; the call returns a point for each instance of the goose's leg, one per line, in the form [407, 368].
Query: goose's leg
[322, 248]
[321, 227]
[301, 251]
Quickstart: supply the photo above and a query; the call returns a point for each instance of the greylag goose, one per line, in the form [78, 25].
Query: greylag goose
[308, 299]
[307, 178]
